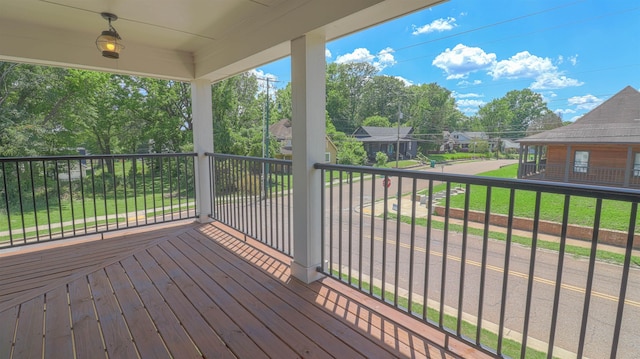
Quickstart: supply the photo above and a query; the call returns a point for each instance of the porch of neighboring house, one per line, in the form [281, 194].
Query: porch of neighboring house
[600, 148]
[191, 290]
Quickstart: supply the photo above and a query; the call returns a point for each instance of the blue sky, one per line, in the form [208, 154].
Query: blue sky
[576, 54]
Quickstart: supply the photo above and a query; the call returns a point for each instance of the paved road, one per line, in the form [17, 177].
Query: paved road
[411, 270]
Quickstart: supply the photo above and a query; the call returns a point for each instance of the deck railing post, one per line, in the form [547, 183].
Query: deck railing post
[308, 140]
[202, 143]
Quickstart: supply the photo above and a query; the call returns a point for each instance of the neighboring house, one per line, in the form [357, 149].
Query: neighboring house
[602, 147]
[462, 141]
[386, 139]
[281, 131]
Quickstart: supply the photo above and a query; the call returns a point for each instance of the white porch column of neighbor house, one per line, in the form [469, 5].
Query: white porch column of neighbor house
[308, 146]
[202, 142]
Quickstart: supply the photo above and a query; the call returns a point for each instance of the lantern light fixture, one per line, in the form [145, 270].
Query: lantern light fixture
[109, 41]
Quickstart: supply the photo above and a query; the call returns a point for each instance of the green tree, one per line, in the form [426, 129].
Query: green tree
[383, 96]
[381, 159]
[376, 121]
[345, 86]
[545, 122]
[525, 106]
[351, 152]
[432, 110]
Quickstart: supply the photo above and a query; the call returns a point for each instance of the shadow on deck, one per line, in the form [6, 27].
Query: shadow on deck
[189, 291]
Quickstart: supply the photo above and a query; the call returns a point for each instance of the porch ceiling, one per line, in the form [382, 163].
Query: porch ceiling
[184, 39]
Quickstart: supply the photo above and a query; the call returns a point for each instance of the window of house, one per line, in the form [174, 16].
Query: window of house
[327, 157]
[636, 165]
[581, 161]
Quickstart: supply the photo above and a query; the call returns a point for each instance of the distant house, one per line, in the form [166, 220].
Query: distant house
[602, 147]
[463, 141]
[282, 132]
[386, 139]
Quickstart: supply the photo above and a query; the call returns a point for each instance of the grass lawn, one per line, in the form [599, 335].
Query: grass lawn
[615, 214]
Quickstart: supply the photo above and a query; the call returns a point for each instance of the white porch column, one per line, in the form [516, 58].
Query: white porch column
[202, 142]
[308, 142]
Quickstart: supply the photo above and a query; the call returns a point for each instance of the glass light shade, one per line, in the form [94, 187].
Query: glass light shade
[108, 43]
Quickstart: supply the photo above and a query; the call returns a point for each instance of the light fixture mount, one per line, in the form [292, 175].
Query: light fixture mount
[109, 40]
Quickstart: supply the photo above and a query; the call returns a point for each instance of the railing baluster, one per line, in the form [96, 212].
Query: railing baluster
[412, 245]
[532, 265]
[115, 191]
[427, 252]
[396, 278]
[622, 296]
[6, 201]
[360, 231]
[331, 227]
[483, 267]
[33, 201]
[505, 277]
[124, 192]
[46, 197]
[104, 193]
[340, 248]
[24, 229]
[84, 203]
[559, 269]
[93, 195]
[350, 238]
[385, 217]
[445, 245]
[463, 258]
[372, 235]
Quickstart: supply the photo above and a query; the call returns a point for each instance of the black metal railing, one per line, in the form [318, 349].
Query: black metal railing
[253, 195]
[581, 173]
[488, 260]
[56, 197]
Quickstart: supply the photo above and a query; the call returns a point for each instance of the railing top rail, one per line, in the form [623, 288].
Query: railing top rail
[248, 158]
[84, 157]
[593, 191]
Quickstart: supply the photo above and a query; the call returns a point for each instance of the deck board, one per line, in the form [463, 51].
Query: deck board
[192, 291]
[144, 333]
[57, 324]
[28, 343]
[115, 331]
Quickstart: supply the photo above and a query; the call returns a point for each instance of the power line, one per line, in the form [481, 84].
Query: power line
[491, 25]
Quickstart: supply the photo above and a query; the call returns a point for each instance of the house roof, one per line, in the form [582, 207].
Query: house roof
[383, 134]
[281, 130]
[615, 121]
[468, 136]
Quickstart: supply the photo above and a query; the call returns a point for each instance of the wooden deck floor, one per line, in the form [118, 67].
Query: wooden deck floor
[191, 291]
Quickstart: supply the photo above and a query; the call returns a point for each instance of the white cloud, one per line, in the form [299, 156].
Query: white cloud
[327, 53]
[358, 55]
[458, 62]
[438, 25]
[465, 83]
[405, 81]
[525, 65]
[470, 103]
[522, 65]
[564, 111]
[586, 102]
[383, 59]
[573, 59]
[467, 95]
[554, 81]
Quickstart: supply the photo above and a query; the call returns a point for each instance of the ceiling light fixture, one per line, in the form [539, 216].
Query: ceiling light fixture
[109, 41]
